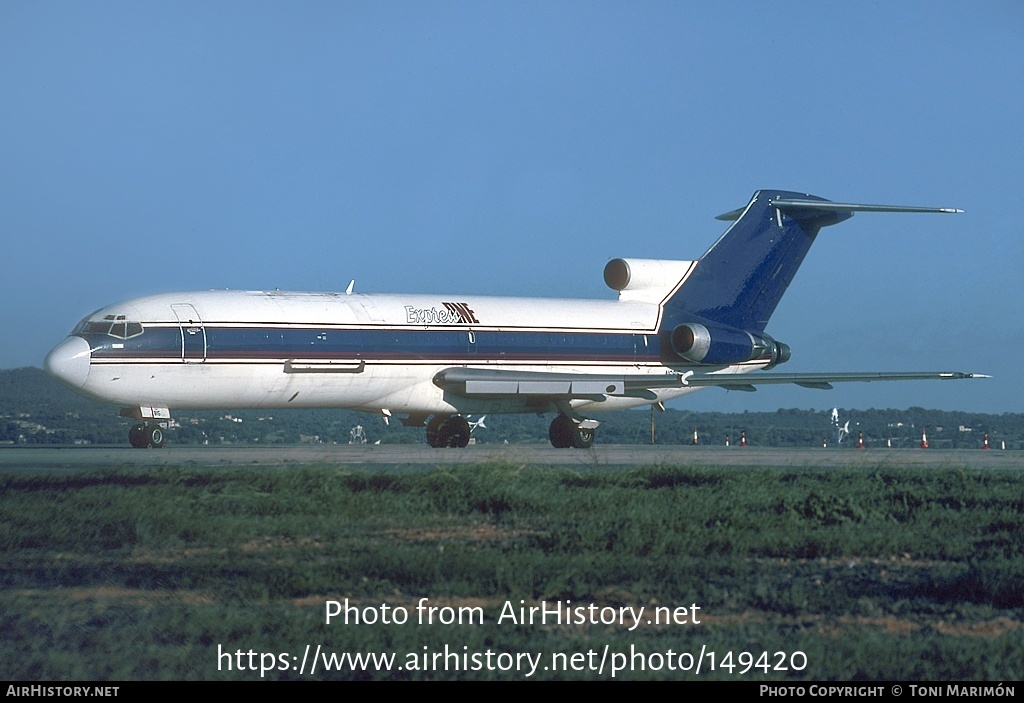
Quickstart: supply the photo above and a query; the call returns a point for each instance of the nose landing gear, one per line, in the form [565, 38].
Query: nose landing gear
[143, 436]
[148, 432]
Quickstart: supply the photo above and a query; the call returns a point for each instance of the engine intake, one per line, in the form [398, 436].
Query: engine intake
[723, 345]
[645, 280]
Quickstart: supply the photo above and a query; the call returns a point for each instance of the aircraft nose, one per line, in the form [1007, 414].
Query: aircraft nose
[69, 362]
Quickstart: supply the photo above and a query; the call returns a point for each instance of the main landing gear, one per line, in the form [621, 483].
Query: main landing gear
[146, 435]
[448, 431]
[564, 433]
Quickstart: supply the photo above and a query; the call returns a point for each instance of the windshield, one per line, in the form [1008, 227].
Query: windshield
[113, 325]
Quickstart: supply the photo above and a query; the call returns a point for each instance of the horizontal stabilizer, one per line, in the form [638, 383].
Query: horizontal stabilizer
[793, 206]
[789, 205]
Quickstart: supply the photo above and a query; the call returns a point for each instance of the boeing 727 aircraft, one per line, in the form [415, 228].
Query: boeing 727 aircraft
[430, 360]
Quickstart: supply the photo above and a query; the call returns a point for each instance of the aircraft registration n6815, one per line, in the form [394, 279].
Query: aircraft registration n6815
[430, 360]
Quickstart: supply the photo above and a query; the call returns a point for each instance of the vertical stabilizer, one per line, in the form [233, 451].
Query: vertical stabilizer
[740, 280]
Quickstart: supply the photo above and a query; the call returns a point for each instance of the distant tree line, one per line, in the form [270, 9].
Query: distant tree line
[35, 409]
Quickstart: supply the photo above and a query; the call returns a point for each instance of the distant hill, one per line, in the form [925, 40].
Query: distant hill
[35, 409]
[31, 390]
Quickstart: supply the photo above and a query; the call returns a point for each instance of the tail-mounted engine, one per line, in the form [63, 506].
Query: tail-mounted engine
[646, 280]
[702, 344]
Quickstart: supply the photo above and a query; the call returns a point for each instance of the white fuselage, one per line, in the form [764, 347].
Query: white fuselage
[252, 349]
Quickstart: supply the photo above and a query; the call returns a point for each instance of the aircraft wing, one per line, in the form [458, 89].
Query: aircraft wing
[821, 381]
[498, 382]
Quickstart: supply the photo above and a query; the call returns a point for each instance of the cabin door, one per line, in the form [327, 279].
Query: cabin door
[193, 333]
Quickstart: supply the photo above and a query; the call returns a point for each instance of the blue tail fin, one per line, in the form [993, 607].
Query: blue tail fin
[718, 313]
[742, 277]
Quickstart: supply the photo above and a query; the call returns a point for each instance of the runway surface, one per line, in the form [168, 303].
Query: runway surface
[411, 455]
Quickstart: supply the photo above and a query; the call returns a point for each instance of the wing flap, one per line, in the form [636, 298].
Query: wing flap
[500, 382]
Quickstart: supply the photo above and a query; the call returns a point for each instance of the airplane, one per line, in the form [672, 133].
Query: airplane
[432, 360]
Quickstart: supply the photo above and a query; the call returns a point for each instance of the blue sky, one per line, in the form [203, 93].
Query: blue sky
[512, 148]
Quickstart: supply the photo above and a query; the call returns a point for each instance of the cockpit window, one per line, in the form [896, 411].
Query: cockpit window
[112, 325]
[125, 330]
[92, 327]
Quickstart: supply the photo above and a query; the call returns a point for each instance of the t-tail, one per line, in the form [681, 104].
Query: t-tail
[719, 313]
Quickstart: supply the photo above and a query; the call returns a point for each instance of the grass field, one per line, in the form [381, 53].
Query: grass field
[179, 573]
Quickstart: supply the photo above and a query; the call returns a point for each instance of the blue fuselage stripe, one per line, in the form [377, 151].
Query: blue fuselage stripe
[230, 343]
